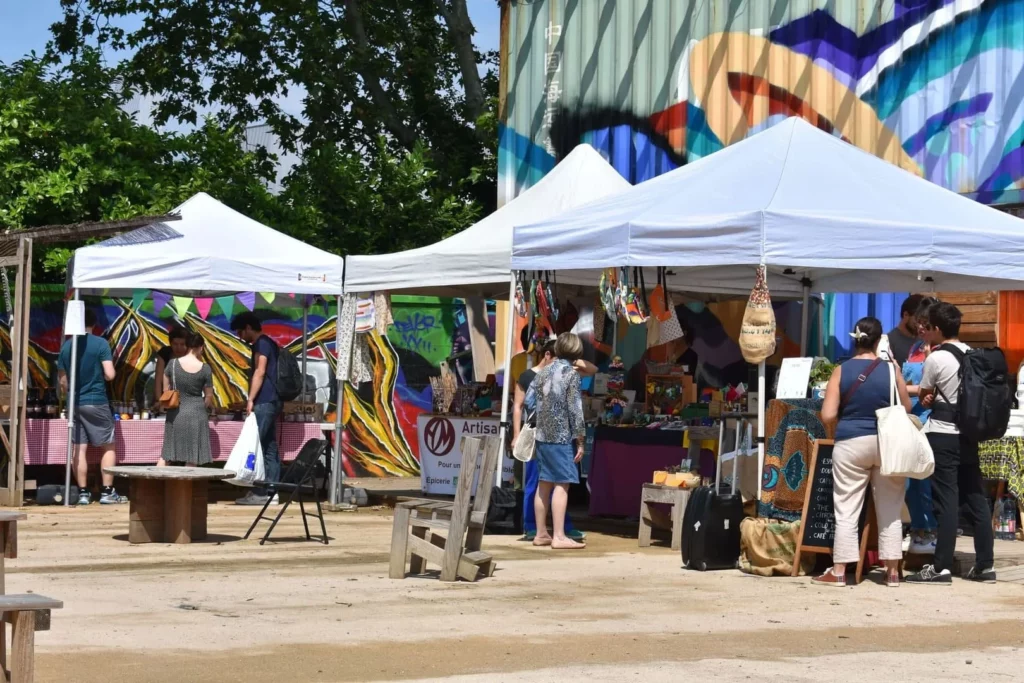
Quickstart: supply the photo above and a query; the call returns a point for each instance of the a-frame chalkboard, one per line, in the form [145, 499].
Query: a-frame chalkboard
[818, 521]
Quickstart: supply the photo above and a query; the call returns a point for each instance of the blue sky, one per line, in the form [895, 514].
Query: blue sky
[25, 25]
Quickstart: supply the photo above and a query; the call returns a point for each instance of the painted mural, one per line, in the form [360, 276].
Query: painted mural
[935, 86]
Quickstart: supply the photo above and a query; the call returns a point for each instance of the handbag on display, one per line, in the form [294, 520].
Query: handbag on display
[904, 449]
[609, 292]
[658, 302]
[520, 297]
[634, 308]
[550, 293]
[170, 398]
[757, 332]
[670, 329]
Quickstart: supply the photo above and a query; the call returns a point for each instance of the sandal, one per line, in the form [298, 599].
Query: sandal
[892, 579]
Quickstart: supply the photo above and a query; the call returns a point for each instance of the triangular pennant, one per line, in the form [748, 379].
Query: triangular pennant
[160, 301]
[181, 304]
[268, 297]
[138, 297]
[248, 299]
[227, 305]
[203, 305]
[291, 296]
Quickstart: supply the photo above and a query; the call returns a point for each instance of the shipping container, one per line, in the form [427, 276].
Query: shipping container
[935, 86]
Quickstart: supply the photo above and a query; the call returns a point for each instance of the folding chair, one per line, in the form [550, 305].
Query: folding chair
[298, 479]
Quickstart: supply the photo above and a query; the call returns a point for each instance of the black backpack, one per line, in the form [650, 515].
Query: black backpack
[289, 375]
[983, 405]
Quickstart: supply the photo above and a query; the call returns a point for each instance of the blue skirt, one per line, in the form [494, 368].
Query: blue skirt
[555, 463]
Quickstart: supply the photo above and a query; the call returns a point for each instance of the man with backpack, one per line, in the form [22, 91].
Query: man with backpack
[969, 396]
[264, 400]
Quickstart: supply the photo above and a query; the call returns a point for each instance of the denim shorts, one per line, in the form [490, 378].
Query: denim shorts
[555, 463]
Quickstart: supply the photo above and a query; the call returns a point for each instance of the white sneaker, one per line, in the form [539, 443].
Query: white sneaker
[923, 545]
[906, 544]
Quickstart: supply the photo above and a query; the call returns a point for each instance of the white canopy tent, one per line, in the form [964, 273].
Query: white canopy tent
[477, 261]
[212, 249]
[801, 201]
[818, 212]
[480, 256]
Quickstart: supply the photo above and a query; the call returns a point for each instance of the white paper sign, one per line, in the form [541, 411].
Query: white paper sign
[74, 321]
[440, 438]
[793, 377]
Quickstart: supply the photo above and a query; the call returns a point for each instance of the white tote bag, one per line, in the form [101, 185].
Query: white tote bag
[525, 445]
[246, 459]
[904, 448]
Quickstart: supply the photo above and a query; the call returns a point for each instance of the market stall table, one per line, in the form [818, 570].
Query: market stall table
[139, 442]
[167, 504]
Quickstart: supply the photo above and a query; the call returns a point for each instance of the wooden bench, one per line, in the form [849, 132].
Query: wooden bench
[167, 504]
[668, 495]
[26, 614]
[9, 545]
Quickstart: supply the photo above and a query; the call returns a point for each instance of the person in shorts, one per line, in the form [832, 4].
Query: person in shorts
[94, 420]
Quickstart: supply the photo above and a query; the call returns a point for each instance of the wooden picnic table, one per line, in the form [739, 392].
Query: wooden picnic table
[167, 504]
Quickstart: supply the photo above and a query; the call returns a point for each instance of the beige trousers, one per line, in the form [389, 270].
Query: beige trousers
[855, 462]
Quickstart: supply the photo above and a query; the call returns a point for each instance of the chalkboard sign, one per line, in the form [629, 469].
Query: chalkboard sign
[818, 523]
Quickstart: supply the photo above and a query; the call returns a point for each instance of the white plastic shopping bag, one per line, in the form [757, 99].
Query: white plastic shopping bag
[904, 448]
[246, 459]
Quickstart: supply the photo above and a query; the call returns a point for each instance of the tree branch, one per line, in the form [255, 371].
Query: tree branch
[461, 30]
[402, 132]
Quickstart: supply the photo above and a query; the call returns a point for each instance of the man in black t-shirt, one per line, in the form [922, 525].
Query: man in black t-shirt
[263, 401]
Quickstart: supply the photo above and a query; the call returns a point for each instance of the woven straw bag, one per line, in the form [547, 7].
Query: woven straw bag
[757, 333]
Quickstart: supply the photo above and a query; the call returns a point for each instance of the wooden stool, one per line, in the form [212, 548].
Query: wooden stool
[669, 495]
[26, 614]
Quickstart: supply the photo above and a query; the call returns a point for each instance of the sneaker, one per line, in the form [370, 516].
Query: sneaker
[907, 541]
[576, 535]
[830, 579]
[112, 498]
[252, 499]
[922, 545]
[979, 575]
[84, 498]
[529, 536]
[929, 575]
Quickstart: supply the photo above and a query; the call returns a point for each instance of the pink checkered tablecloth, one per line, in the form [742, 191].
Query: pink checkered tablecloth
[138, 442]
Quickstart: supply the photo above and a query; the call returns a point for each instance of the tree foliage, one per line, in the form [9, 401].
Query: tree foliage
[70, 153]
[405, 70]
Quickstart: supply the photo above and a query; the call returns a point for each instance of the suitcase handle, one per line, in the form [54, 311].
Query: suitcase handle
[741, 428]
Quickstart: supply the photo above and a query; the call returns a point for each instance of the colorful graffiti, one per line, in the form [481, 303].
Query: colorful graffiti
[935, 86]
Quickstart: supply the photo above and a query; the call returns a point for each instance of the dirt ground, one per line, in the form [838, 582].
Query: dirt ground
[231, 610]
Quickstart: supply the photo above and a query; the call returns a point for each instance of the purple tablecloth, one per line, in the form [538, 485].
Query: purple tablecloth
[624, 460]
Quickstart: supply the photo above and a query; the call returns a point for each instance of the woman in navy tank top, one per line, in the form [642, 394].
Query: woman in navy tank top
[858, 388]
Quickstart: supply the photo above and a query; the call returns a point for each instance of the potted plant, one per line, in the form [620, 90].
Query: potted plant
[821, 371]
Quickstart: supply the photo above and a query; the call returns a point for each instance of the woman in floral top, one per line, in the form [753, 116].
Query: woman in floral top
[559, 423]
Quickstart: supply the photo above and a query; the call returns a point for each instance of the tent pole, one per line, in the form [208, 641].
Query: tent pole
[821, 326]
[760, 425]
[305, 346]
[72, 388]
[805, 317]
[336, 475]
[507, 376]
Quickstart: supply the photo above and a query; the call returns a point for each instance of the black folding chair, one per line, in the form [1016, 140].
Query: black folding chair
[298, 479]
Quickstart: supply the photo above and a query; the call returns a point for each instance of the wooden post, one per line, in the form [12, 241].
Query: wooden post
[145, 510]
[13, 494]
[23, 645]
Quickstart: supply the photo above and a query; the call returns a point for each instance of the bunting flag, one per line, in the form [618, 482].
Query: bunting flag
[227, 305]
[291, 295]
[181, 304]
[203, 305]
[248, 299]
[160, 301]
[138, 297]
[268, 297]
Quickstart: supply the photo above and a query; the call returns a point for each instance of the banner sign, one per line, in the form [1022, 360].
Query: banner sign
[440, 453]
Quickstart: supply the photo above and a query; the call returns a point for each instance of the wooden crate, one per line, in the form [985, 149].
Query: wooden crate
[980, 326]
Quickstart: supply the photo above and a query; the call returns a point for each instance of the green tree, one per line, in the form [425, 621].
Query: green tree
[70, 153]
[406, 70]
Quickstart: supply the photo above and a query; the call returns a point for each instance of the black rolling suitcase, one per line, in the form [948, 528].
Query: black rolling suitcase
[711, 525]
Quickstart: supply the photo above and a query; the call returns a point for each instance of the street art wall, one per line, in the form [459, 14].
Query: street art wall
[380, 414]
[934, 86]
